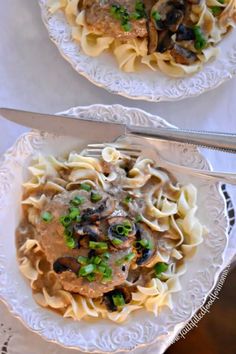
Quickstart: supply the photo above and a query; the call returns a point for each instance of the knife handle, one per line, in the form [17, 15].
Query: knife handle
[218, 141]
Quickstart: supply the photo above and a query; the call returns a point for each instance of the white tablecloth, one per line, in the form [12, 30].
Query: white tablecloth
[33, 76]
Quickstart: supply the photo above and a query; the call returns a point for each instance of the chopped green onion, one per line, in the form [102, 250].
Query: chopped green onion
[146, 244]
[125, 259]
[200, 40]
[160, 268]
[127, 199]
[74, 212]
[78, 200]
[138, 218]
[216, 10]
[68, 232]
[120, 230]
[65, 220]
[90, 277]
[86, 187]
[126, 26]
[127, 225]
[95, 197]
[108, 272]
[116, 242]
[87, 269]
[156, 16]
[106, 255]
[82, 260]
[101, 269]
[98, 245]
[118, 300]
[97, 260]
[46, 216]
[78, 218]
[70, 242]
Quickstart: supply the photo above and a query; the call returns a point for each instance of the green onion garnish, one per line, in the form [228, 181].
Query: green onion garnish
[216, 10]
[118, 300]
[156, 16]
[116, 241]
[97, 260]
[101, 269]
[138, 218]
[127, 199]
[78, 200]
[160, 268]
[82, 260]
[86, 187]
[146, 244]
[125, 259]
[90, 277]
[70, 242]
[95, 197]
[87, 269]
[106, 255]
[127, 225]
[98, 245]
[200, 40]
[74, 212]
[65, 220]
[46, 216]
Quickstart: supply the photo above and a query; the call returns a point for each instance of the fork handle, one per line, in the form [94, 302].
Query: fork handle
[219, 141]
[225, 177]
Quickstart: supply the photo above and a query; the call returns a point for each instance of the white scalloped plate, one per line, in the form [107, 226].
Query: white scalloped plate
[146, 85]
[143, 327]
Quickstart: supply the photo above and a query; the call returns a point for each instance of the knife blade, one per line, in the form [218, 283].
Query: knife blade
[97, 131]
[91, 130]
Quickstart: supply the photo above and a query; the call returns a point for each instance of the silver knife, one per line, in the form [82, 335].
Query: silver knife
[94, 131]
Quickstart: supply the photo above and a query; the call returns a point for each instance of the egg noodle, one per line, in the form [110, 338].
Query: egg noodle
[157, 204]
[210, 20]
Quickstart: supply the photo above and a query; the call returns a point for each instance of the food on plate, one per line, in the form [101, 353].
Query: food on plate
[103, 237]
[176, 37]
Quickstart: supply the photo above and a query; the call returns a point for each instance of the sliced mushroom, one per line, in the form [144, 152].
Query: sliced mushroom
[118, 240]
[185, 33]
[152, 37]
[171, 14]
[165, 41]
[105, 208]
[144, 254]
[108, 301]
[86, 233]
[182, 55]
[64, 264]
[174, 19]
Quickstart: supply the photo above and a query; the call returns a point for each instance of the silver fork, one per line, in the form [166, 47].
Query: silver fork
[134, 151]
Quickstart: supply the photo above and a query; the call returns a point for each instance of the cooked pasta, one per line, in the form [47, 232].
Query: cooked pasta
[103, 237]
[175, 37]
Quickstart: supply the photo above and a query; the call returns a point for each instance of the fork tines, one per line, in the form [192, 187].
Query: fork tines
[95, 150]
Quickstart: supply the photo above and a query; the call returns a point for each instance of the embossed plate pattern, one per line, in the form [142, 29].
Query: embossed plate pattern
[143, 327]
[147, 85]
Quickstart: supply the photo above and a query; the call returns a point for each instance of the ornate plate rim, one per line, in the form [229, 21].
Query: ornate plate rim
[116, 110]
[207, 79]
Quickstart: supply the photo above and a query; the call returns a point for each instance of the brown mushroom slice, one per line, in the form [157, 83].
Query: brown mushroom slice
[86, 233]
[165, 41]
[66, 263]
[118, 240]
[173, 19]
[182, 55]
[171, 14]
[144, 253]
[152, 37]
[104, 209]
[108, 297]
